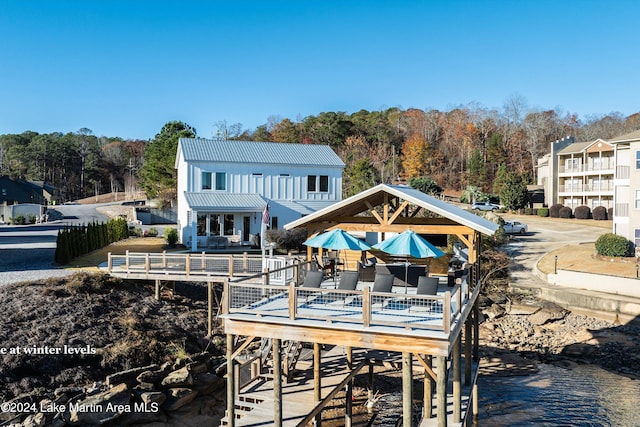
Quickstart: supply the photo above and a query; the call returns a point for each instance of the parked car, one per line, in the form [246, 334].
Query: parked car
[515, 227]
[485, 206]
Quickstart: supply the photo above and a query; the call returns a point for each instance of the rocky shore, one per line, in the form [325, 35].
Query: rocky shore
[68, 344]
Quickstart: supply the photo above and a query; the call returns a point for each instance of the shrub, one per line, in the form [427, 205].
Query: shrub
[610, 244]
[565, 212]
[543, 212]
[554, 210]
[582, 212]
[528, 211]
[599, 213]
[171, 236]
[152, 232]
[19, 219]
[287, 239]
[31, 219]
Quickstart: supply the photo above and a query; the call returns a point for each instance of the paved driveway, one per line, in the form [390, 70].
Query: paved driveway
[27, 252]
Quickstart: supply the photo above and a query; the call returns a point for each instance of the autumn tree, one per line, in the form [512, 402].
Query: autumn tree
[414, 152]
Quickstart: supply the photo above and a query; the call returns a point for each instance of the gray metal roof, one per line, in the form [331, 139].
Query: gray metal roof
[219, 150]
[224, 202]
[413, 196]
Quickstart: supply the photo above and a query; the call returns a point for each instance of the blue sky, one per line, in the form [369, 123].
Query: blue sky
[125, 68]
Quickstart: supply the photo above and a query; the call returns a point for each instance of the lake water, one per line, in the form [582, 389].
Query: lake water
[583, 396]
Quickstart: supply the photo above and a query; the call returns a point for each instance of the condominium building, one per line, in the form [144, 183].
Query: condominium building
[578, 173]
[626, 212]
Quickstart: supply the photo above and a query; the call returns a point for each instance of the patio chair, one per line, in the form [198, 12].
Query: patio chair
[382, 283]
[348, 281]
[313, 279]
[426, 286]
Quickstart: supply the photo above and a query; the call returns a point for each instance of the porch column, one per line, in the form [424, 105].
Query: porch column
[194, 231]
[317, 380]
[457, 395]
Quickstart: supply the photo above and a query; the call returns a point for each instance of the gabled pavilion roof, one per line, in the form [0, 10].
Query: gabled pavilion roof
[399, 206]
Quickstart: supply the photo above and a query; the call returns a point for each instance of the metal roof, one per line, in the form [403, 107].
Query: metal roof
[375, 195]
[229, 151]
[225, 202]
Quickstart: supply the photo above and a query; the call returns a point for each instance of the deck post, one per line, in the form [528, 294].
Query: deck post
[157, 290]
[147, 263]
[474, 397]
[407, 389]
[187, 265]
[457, 395]
[428, 389]
[467, 350]
[126, 260]
[164, 259]
[265, 276]
[349, 390]
[293, 301]
[296, 272]
[277, 383]
[476, 329]
[317, 379]
[366, 307]
[446, 312]
[231, 403]
[109, 263]
[245, 261]
[370, 394]
[203, 260]
[441, 391]
[230, 265]
[209, 309]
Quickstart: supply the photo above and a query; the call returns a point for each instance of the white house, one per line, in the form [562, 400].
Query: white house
[224, 187]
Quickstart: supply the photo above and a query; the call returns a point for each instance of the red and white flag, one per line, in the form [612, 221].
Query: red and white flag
[266, 218]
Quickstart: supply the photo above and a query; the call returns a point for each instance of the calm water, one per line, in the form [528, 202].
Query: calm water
[583, 396]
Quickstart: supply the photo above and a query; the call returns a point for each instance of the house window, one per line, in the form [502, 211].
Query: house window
[221, 181]
[274, 222]
[637, 159]
[637, 199]
[637, 238]
[324, 183]
[214, 224]
[206, 180]
[312, 183]
[202, 224]
[228, 225]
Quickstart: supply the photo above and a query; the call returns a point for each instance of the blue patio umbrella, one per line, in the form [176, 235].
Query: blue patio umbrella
[337, 239]
[408, 244]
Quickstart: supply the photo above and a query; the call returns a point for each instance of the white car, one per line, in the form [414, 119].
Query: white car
[515, 227]
[485, 206]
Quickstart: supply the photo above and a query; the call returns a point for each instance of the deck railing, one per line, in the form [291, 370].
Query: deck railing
[188, 265]
[361, 308]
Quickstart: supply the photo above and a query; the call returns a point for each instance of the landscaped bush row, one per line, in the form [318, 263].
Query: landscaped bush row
[599, 213]
[78, 240]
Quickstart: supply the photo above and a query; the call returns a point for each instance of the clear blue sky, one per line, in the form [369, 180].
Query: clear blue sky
[125, 68]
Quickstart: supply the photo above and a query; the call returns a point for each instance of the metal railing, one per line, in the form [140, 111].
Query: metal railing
[362, 309]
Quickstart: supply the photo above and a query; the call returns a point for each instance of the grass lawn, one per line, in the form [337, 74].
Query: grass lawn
[583, 257]
[91, 260]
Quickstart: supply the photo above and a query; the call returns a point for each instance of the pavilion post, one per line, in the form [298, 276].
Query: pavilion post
[407, 389]
[277, 383]
[441, 390]
[457, 395]
[317, 379]
[231, 404]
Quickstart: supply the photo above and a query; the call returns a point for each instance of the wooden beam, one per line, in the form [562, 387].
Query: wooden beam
[324, 335]
[374, 212]
[427, 367]
[399, 227]
[457, 386]
[385, 208]
[231, 398]
[397, 213]
[242, 346]
[427, 388]
[277, 383]
[317, 379]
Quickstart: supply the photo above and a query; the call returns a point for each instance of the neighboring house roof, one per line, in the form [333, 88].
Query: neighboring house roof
[218, 150]
[375, 196]
[631, 136]
[225, 202]
[576, 147]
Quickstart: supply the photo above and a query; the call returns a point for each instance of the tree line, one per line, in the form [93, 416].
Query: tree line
[467, 146]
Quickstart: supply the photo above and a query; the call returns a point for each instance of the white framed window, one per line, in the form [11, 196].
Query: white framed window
[221, 181]
[637, 199]
[206, 180]
[638, 159]
[318, 183]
